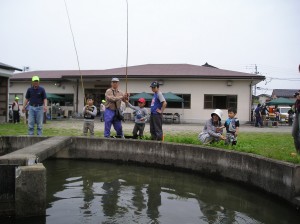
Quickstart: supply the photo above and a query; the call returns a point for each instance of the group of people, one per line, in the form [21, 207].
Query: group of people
[111, 112]
[213, 128]
[36, 99]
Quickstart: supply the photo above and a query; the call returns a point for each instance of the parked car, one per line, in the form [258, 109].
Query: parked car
[283, 113]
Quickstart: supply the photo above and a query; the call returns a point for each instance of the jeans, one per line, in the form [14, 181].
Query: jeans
[110, 119]
[35, 115]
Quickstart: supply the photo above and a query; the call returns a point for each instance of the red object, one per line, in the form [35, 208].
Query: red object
[142, 100]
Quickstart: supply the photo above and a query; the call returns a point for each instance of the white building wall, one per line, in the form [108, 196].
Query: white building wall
[197, 89]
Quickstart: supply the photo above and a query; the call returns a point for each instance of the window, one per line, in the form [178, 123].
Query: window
[186, 104]
[220, 101]
[12, 97]
[68, 99]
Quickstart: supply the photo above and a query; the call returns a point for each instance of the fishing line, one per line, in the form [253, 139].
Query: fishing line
[75, 51]
[126, 67]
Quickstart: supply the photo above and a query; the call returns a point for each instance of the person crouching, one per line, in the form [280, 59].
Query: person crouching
[212, 131]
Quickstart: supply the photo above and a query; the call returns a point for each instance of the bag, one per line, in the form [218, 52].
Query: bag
[119, 115]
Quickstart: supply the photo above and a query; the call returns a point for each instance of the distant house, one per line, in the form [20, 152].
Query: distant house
[203, 88]
[6, 71]
[285, 93]
[263, 98]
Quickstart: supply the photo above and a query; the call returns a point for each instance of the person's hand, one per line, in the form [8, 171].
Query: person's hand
[222, 137]
[45, 108]
[159, 111]
[142, 119]
[23, 110]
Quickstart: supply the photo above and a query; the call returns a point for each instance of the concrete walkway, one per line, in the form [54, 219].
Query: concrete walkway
[37, 152]
[168, 128]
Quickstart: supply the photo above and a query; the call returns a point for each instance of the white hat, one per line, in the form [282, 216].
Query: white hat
[115, 80]
[218, 112]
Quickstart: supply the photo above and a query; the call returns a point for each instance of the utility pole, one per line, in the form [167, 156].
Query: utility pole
[256, 72]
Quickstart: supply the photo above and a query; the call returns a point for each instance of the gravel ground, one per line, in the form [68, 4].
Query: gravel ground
[167, 128]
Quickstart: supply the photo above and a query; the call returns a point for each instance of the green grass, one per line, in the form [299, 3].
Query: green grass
[278, 146]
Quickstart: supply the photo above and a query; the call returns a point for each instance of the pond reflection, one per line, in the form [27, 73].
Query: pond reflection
[99, 192]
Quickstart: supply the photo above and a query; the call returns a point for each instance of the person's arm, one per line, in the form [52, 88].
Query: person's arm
[94, 113]
[110, 96]
[146, 115]
[84, 110]
[237, 127]
[45, 105]
[24, 105]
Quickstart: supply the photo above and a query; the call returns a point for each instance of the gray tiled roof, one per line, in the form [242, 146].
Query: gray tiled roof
[145, 71]
[287, 93]
[8, 67]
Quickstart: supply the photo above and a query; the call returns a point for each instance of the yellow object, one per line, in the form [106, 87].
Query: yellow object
[293, 154]
[35, 78]
[17, 98]
[103, 101]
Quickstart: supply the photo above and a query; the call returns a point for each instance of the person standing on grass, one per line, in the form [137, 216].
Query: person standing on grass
[89, 113]
[113, 97]
[140, 118]
[258, 117]
[158, 105]
[102, 109]
[296, 123]
[16, 111]
[232, 125]
[213, 130]
[37, 98]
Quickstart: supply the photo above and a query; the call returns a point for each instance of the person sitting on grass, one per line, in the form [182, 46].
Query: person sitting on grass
[140, 118]
[232, 125]
[89, 113]
[212, 131]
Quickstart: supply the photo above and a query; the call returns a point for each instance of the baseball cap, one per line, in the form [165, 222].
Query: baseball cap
[142, 100]
[35, 78]
[17, 98]
[115, 80]
[154, 84]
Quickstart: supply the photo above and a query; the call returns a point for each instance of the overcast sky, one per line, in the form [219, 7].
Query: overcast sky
[229, 34]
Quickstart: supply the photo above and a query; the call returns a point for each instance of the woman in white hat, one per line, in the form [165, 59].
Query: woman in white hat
[212, 131]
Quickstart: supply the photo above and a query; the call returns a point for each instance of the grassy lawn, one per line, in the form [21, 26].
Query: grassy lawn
[272, 145]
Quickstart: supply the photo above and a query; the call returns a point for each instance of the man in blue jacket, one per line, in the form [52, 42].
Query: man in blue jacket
[37, 98]
[158, 105]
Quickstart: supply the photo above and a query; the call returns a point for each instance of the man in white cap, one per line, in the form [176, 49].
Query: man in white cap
[37, 98]
[113, 97]
[16, 110]
[213, 129]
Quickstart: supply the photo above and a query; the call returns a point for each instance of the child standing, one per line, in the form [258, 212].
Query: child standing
[140, 118]
[89, 113]
[232, 125]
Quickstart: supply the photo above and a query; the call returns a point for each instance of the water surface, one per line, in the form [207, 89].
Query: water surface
[98, 192]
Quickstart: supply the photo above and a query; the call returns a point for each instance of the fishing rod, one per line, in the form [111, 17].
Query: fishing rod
[78, 64]
[126, 67]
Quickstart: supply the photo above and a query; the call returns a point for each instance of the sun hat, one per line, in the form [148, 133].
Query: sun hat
[115, 80]
[218, 112]
[154, 84]
[142, 100]
[35, 78]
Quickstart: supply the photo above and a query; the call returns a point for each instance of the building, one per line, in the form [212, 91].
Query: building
[203, 88]
[285, 93]
[6, 71]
